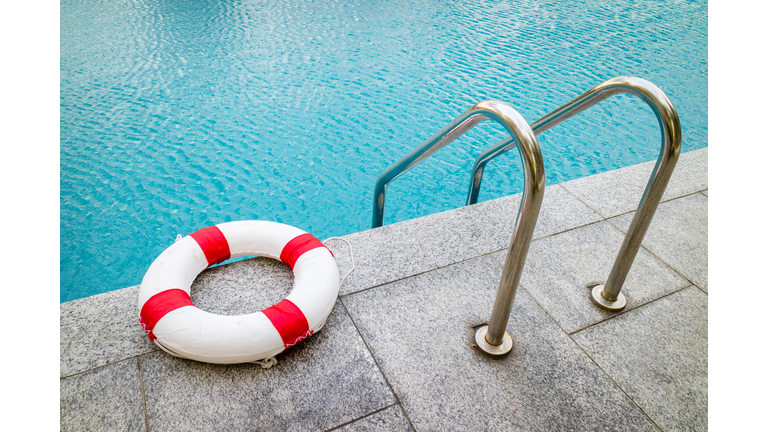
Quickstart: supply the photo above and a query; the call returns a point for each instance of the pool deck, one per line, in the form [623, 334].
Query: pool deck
[396, 355]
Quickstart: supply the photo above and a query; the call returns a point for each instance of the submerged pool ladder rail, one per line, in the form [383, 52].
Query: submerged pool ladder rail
[492, 339]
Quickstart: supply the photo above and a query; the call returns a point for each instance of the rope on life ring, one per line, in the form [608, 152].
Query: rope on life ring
[351, 255]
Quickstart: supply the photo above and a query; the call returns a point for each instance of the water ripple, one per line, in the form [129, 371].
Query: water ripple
[178, 115]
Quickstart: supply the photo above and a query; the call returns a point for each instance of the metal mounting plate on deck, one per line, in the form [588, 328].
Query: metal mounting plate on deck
[615, 306]
[491, 350]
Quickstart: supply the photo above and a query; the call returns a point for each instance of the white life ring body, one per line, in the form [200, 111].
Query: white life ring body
[172, 321]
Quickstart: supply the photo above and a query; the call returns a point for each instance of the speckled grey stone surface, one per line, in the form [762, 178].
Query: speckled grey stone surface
[559, 267]
[403, 249]
[619, 191]
[705, 193]
[242, 287]
[559, 212]
[99, 330]
[678, 236]
[420, 330]
[387, 420]
[658, 355]
[327, 380]
[104, 399]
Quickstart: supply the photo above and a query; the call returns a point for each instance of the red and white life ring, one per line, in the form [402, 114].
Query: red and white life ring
[172, 321]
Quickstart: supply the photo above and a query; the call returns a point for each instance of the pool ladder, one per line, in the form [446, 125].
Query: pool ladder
[492, 339]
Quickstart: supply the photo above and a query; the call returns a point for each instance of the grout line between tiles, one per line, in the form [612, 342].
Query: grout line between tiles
[566, 230]
[143, 392]
[582, 201]
[616, 384]
[626, 311]
[104, 365]
[678, 272]
[683, 196]
[376, 362]
[360, 418]
[418, 274]
[669, 265]
[546, 236]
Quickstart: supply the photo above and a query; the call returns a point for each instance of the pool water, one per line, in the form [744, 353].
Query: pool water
[177, 115]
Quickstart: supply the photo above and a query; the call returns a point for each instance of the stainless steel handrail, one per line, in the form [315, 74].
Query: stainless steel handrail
[609, 296]
[493, 339]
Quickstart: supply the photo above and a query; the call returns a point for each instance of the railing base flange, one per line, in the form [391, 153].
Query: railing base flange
[614, 306]
[490, 350]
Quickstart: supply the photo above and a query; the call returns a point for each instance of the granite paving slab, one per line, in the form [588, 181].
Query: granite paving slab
[99, 330]
[407, 248]
[658, 355]
[678, 235]
[420, 330]
[390, 419]
[560, 211]
[619, 191]
[326, 381]
[105, 398]
[559, 267]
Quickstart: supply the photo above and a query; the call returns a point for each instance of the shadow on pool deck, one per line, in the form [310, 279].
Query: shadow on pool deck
[395, 354]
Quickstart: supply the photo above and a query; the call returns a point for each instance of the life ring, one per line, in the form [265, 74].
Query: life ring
[174, 323]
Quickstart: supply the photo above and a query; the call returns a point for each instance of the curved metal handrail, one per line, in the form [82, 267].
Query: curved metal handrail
[608, 295]
[533, 194]
[501, 112]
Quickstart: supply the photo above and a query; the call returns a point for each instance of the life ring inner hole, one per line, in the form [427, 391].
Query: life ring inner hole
[267, 281]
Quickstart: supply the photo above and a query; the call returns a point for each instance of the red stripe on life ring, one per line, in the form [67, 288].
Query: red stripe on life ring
[297, 246]
[213, 243]
[289, 321]
[160, 304]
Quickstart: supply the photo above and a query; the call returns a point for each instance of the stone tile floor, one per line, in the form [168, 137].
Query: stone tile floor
[396, 352]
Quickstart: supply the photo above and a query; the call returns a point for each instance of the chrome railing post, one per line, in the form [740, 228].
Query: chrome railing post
[609, 296]
[491, 339]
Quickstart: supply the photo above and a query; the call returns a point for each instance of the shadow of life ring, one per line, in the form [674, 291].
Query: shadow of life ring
[181, 328]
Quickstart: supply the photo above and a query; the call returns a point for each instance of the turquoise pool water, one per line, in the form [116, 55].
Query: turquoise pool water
[178, 115]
